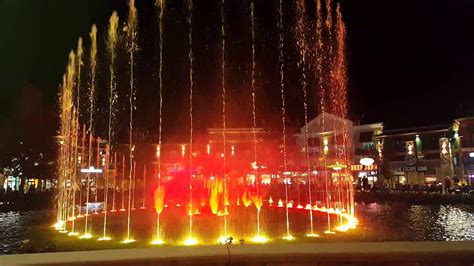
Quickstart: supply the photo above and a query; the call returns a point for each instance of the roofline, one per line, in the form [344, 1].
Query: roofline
[465, 118]
[410, 133]
[371, 125]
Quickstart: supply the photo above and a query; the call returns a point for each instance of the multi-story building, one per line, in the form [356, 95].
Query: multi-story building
[338, 136]
[427, 155]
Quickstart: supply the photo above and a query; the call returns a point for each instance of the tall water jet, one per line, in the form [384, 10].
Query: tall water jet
[93, 65]
[122, 208]
[112, 39]
[65, 169]
[160, 5]
[59, 225]
[258, 237]
[223, 85]
[106, 191]
[341, 83]
[144, 189]
[115, 183]
[134, 178]
[301, 26]
[83, 152]
[92, 73]
[132, 47]
[80, 63]
[190, 240]
[98, 166]
[78, 160]
[71, 139]
[212, 180]
[281, 60]
[74, 163]
[319, 58]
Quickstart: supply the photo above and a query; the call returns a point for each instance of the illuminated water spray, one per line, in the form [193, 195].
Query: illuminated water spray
[259, 237]
[319, 58]
[122, 208]
[97, 166]
[106, 189]
[79, 56]
[144, 189]
[331, 82]
[223, 84]
[75, 176]
[73, 149]
[78, 161]
[112, 38]
[160, 5]
[132, 47]
[83, 152]
[134, 178]
[303, 49]
[190, 240]
[65, 169]
[340, 78]
[115, 183]
[93, 65]
[281, 60]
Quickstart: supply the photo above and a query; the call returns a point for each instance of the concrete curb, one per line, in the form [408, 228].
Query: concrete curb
[383, 252]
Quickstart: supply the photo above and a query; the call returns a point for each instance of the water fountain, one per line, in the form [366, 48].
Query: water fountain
[206, 192]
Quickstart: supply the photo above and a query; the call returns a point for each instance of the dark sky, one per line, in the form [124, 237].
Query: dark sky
[411, 62]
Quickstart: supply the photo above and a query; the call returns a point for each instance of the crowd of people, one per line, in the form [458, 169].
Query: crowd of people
[19, 200]
[449, 186]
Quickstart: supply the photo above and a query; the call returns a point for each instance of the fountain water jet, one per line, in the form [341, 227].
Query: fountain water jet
[115, 183]
[190, 240]
[93, 64]
[257, 187]
[303, 49]
[281, 60]
[223, 84]
[160, 5]
[132, 31]
[112, 39]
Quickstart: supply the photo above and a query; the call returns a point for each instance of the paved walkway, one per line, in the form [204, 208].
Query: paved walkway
[383, 253]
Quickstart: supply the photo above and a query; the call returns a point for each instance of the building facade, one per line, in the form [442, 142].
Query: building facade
[427, 155]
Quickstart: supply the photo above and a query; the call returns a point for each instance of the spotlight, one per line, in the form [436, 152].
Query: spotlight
[228, 241]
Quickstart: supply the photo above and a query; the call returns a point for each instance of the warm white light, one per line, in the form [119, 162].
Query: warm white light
[91, 170]
[158, 151]
[254, 165]
[367, 161]
[157, 242]
[259, 239]
[190, 241]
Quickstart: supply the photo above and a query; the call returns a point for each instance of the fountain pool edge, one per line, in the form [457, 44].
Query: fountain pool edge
[261, 254]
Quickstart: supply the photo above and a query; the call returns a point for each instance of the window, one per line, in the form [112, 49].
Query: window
[366, 136]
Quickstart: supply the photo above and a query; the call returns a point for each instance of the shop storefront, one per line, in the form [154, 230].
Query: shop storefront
[421, 173]
[360, 172]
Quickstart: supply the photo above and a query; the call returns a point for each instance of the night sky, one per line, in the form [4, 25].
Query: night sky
[411, 62]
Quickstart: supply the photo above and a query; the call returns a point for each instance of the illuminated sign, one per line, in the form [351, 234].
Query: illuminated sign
[418, 168]
[91, 170]
[367, 161]
[360, 167]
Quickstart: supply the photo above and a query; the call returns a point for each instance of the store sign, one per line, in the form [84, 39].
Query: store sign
[360, 167]
[417, 168]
